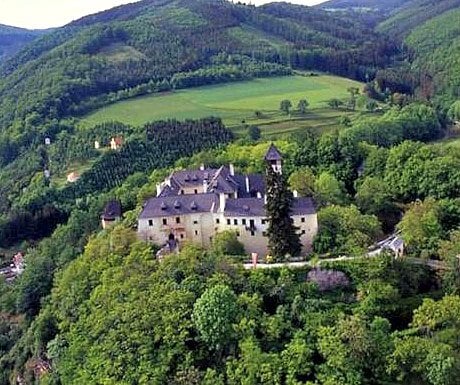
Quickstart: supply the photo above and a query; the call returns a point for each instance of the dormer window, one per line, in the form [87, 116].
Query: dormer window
[177, 205]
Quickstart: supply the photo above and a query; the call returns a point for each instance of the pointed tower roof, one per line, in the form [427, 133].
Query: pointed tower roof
[273, 153]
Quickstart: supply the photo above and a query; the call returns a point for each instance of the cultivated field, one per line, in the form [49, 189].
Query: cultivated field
[236, 104]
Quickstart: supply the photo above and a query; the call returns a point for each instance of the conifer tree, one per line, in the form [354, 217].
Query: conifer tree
[283, 239]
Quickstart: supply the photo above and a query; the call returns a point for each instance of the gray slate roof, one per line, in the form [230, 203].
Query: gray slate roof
[219, 181]
[190, 178]
[246, 207]
[180, 205]
[273, 153]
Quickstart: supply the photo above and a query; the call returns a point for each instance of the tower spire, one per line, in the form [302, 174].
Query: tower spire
[274, 158]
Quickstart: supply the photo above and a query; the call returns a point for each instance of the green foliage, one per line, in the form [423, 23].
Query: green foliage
[413, 122]
[302, 106]
[352, 349]
[285, 106]
[335, 103]
[227, 243]
[303, 181]
[214, 314]
[449, 250]
[414, 171]
[431, 356]
[328, 190]
[372, 196]
[344, 230]
[421, 228]
[283, 239]
[454, 111]
[377, 298]
[424, 360]
[254, 133]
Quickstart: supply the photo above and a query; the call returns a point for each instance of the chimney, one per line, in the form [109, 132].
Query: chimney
[202, 168]
[232, 169]
[259, 195]
[295, 193]
[248, 190]
[265, 198]
[221, 202]
[158, 189]
[205, 186]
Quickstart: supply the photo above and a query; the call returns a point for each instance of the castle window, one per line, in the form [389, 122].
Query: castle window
[253, 233]
[303, 232]
[264, 233]
[182, 192]
[263, 221]
[243, 221]
[238, 234]
[177, 219]
[196, 232]
[196, 191]
[302, 220]
[150, 222]
[195, 222]
[182, 236]
[165, 221]
[235, 222]
[217, 220]
[229, 222]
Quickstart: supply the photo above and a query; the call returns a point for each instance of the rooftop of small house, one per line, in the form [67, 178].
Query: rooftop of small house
[112, 210]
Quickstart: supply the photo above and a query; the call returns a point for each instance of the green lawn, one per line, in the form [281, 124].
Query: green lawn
[236, 102]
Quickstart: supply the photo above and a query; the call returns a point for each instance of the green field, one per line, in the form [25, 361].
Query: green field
[237, 102]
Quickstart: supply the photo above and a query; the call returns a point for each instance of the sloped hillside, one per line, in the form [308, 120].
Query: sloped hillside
[414, 14]
[12, 39]
[437, 47]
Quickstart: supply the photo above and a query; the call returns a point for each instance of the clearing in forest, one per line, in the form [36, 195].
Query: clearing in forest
[237, 103]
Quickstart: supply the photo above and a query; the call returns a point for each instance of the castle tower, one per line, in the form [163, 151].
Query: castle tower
[274, 157]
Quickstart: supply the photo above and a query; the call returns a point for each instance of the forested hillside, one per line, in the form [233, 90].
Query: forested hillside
[436, 44]
[12, 39]
[428, 33]
[414, 14]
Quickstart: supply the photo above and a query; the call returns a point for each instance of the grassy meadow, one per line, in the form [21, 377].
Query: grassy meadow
[237, 102]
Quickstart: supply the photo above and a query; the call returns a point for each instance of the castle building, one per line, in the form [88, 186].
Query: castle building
[195, 205]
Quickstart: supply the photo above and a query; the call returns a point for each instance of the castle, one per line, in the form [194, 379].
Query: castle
[195, 205]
